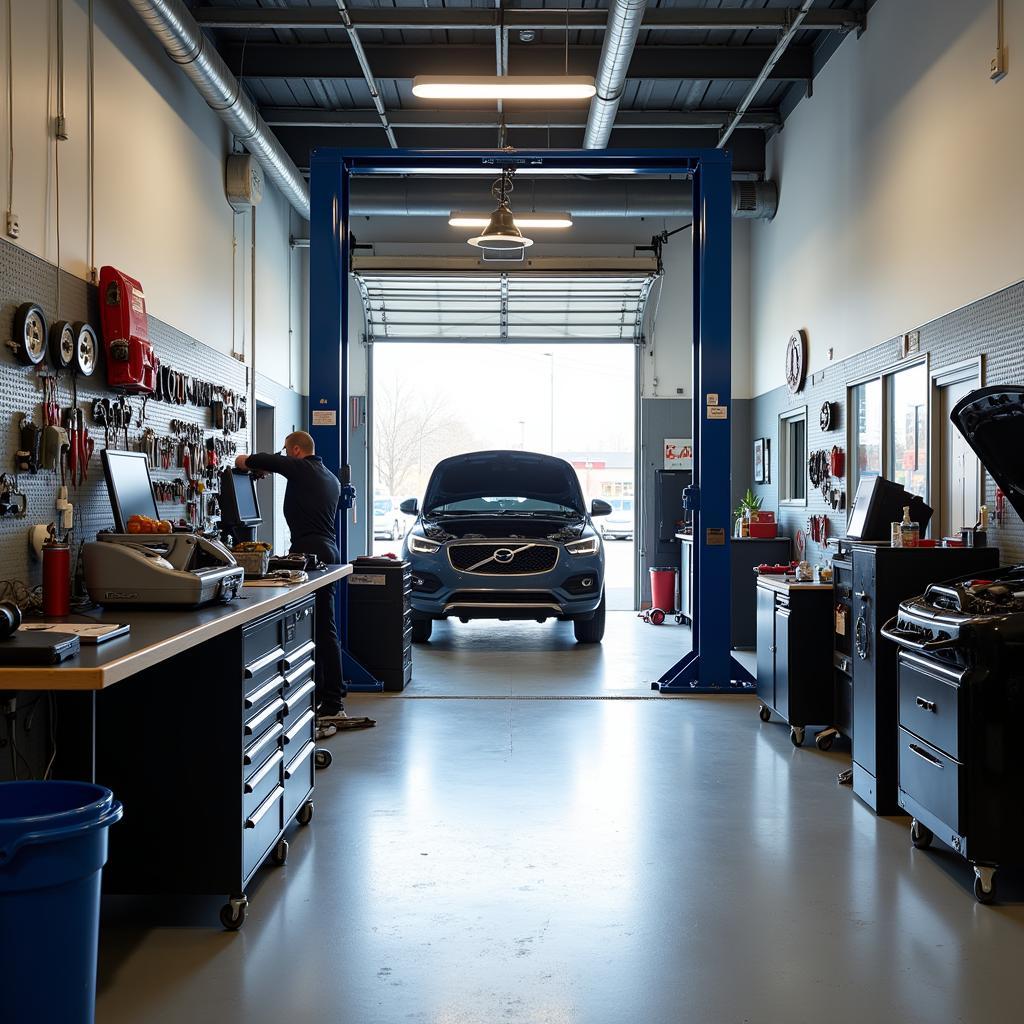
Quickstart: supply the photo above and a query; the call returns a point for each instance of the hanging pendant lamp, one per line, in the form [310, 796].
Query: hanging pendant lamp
[501, 231]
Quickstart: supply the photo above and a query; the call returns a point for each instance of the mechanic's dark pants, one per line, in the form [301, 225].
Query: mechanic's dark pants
[330, 682]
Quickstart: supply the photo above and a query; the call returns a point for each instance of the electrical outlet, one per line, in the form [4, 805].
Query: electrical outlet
[13, 225]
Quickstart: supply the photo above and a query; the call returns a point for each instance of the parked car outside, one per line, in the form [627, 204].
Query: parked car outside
[506, 535]
[388, 521]
[619, 525]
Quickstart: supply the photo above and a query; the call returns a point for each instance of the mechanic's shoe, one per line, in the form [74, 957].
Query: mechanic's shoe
[323, 730]
[340, 720]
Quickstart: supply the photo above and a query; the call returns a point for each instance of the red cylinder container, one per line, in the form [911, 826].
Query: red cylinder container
[663, 588]
[56, 579]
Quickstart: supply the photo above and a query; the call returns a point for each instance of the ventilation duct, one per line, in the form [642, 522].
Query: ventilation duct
[183, 39]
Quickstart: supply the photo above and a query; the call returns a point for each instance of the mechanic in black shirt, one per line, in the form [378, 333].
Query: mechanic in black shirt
[310, 505]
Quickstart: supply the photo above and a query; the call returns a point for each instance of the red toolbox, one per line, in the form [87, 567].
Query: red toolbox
[762, 524]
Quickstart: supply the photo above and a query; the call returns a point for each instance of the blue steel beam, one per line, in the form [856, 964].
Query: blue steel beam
[709, 666]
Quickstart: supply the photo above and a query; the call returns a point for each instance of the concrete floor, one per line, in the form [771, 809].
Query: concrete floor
[578, 861]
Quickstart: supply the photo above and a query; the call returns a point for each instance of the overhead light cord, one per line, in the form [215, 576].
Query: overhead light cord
[91, 134]
[10, 108]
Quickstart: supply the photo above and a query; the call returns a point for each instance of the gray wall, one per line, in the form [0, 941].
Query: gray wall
[992, 328]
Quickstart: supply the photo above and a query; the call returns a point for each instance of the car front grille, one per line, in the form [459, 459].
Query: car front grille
[504, 558]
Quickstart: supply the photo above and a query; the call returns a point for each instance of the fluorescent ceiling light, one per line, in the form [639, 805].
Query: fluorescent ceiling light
[462, 219]
[503, 87]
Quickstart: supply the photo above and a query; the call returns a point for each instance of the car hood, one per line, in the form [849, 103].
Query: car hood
[992, 422]
[490, 474]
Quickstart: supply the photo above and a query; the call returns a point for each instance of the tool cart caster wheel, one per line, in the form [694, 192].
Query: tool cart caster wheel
[796, 735]
[921, 836]
[823, 742]
[979, 890]
[232, 914]
[279, 854]
[680, 618]
[764, 713]
[322, 758]
[305, 815]
[657, 616]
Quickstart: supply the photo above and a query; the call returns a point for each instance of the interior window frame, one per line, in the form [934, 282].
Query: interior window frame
[798, 414]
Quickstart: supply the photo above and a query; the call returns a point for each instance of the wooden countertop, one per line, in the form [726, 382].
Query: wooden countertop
[784, 584]
[156, 635]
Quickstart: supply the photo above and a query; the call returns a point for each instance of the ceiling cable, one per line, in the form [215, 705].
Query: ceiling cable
[364, 64]
[10, 110]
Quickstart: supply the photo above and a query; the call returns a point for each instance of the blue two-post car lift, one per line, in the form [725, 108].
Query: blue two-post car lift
[709, 667]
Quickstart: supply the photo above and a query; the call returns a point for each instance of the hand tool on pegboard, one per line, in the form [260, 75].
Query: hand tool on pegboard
[71, 426]
[26, 458]
[87, 446]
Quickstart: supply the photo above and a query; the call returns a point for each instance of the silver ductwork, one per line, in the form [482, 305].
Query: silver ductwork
[623, 27]
[419, 197]
[180, 35]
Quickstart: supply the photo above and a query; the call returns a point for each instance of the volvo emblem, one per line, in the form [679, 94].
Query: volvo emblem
[504, 555]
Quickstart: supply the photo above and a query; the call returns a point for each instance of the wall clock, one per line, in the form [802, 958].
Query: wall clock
[796, 362]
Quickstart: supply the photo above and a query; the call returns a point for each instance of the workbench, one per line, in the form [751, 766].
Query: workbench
[202, 722]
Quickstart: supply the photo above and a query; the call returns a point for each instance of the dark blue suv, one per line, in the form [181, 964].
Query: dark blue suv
[506, 535]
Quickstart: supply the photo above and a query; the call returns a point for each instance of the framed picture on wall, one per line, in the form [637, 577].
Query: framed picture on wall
[761, 473]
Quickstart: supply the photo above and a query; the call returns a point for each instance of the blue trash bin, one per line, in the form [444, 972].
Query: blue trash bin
[53, 845]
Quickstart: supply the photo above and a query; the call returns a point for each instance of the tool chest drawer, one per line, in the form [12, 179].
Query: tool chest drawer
[259, 747]
[932, 779]
[930, 699]
[269, 715]
[297, 626]
[298, 778]
[260, 782]
[262, 827]
[298, 698]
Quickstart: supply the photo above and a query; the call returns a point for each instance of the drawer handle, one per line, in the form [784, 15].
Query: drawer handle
[297, 761]
[925, 705]
[925, 756]
[296, 697]
[301, 724]
[270, 734]
[300, 652]
[258, 695]
[254, 666]
[259, 776]
[261, 811]
[274, 708]
[306, 666]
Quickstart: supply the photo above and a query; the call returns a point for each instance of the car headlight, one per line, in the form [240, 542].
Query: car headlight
[421, 546]
[587, 546]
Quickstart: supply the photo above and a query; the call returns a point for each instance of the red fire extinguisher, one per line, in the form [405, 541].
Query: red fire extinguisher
[56, 578]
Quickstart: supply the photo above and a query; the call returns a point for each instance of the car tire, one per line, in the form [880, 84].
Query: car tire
[590, 630]
[421, 630]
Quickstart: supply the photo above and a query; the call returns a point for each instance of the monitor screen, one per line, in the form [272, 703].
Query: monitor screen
[880, 502]
[238, 501]
[129, 486]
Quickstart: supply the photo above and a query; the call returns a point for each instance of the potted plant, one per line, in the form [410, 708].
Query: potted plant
[749, 503]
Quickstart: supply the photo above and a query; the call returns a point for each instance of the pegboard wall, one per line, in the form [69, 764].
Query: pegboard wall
[992, 327]
[26, 278]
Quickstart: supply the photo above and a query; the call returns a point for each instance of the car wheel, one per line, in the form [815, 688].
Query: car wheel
[590, 631]
[421, 630]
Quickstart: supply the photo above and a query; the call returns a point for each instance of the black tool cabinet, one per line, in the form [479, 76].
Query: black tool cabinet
[212, 754]
[794, 654]
[959, 773]
[380, 619]
[881, 578]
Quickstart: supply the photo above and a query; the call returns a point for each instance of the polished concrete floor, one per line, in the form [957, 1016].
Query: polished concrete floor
[507, 857]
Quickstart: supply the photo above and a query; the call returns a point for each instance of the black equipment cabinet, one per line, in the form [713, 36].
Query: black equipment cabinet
[745, 554]
[380, 619]
[216, 802]
[881, 578]
[794, 653]
[842, 648]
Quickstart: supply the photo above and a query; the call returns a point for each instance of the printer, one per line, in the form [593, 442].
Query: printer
[122, 568]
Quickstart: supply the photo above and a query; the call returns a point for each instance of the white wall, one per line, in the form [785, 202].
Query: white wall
[900, 185]
[160, 211]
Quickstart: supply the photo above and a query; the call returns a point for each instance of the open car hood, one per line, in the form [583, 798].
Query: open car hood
[503, 474]
[992, 422]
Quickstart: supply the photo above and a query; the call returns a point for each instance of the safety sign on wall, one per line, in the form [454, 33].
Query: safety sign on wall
[678, 453]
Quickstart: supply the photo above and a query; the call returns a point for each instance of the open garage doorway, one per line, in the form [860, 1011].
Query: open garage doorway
[577, 402]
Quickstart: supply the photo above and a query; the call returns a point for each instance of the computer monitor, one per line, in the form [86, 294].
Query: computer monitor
[129, 486]
[878, 504]
[239, 505]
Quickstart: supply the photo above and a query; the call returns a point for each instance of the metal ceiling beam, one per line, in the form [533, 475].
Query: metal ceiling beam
[456, 19]
[673, 120]
[364, 66]
[686, 63]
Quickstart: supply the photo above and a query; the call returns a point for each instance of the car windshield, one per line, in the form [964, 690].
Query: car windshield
[505, 505]
[381, 506]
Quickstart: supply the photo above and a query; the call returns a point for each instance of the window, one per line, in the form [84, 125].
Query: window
[793, 457]
[908, 429]
[866, 420]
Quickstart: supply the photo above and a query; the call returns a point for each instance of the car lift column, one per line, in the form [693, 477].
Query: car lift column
[328, 362]
[709, 667]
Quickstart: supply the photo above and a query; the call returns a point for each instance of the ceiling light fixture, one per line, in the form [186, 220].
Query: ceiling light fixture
[503, 87]
[466, 219]
[501, 231]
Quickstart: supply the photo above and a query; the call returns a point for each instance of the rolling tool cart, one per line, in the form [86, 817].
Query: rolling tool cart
[380, 619]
